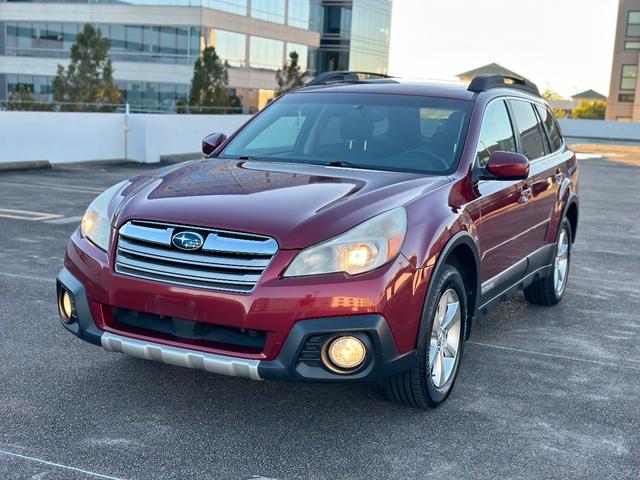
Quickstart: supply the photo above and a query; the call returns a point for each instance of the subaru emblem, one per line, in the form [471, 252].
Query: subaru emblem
[187, 240]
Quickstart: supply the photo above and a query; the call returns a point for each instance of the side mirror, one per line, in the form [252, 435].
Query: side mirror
[211, 142]
[506, 166]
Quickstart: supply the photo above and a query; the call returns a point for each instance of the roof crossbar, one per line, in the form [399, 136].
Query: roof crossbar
[343, 76]
[482, 83]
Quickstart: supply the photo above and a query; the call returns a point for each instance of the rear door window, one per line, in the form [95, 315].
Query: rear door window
[529, 129]
[551, 127]
[496, 134]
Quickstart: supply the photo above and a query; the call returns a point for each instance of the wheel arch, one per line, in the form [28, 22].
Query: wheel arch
[461, 252]
[571, 213]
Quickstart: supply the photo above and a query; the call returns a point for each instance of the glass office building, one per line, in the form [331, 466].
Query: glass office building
[154, 43]
[355, 35]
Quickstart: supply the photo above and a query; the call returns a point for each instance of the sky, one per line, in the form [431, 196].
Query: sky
[564, 45]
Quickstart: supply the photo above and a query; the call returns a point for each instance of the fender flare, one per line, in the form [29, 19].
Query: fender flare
[572, 199]
[459, 238]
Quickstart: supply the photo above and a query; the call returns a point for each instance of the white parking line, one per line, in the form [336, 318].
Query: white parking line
[27, 277]
[71, 188]
[26, 214]
[57, 465]
[65, 220]
[587, 156]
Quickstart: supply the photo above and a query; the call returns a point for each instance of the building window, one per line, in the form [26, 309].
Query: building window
[134, 38]
[266, 53]
[39, 86]
[269, 10]
[134, 43]
[629, 76]
[632, 45]
[153, 97]
[304, 14]
[633, 24]
[626, 97]
[230, 46]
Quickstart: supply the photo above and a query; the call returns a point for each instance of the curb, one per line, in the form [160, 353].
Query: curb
[28, 165]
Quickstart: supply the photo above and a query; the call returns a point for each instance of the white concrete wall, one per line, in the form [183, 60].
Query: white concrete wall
[600, 130]
[75, 137]
[151, 136]
[60, 137]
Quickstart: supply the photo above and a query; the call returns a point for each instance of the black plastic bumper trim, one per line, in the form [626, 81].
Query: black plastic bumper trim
[382, 360]
[83, 327]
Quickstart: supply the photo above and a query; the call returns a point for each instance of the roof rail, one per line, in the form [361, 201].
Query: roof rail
[344, 76]
[482, 83]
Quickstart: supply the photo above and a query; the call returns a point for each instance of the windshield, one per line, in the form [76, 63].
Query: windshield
[384, 132]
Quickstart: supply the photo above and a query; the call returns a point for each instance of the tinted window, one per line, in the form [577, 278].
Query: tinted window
[266, 53]
[628, 77]
[633, 24]
[551, 126]
[529, 129]
[496, 134]
[280, 135]
[376, 131]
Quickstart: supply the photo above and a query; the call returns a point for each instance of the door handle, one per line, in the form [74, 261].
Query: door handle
[525, 195]
[558, 176]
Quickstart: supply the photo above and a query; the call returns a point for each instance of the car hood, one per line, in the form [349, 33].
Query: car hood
[297, 204]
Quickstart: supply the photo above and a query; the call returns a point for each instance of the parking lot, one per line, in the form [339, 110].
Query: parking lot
[542, 393]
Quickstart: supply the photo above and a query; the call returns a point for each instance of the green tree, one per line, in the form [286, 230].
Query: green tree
[559, 112]
[291, 75]
[551, 95]
[590, 109]
[87, 83]
[210, 86]
[22, 99]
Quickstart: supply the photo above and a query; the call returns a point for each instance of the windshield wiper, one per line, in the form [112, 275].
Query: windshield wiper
[342, 163]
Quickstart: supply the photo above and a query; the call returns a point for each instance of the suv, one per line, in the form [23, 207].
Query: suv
[352, 230]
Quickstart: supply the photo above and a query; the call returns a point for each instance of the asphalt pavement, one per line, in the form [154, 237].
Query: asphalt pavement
[543, 393]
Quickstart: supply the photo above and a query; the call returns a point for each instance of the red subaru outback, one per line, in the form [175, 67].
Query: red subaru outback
[352, 230]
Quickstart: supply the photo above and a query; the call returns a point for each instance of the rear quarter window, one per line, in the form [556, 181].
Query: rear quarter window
[551, 127]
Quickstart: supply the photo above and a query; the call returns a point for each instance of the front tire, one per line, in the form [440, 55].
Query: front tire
[549, 290]
[440, 346]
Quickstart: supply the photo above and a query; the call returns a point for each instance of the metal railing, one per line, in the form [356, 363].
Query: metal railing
[44, 106]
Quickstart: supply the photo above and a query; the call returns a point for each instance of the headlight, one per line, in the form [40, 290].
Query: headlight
[96, 224]
[361, 249]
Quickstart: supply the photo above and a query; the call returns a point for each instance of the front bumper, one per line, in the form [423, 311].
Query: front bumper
[297, 359]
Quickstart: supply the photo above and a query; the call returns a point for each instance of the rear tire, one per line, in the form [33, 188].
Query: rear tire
[440, 346]
[549, 290]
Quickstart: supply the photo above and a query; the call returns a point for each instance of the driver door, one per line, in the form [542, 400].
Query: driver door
[504, 211]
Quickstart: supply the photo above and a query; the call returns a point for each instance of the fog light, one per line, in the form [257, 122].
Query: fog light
[66, 306]
[346, 352]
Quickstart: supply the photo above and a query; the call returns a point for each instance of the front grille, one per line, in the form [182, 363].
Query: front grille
[230, 261]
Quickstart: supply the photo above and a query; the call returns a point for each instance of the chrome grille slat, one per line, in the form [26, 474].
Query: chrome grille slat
[229, 261]
[213, 276]
[151, 235]
[190, 258]
[216, 243]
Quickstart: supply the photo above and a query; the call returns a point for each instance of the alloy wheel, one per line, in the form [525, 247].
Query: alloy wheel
[561, 264]
[445, 338]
